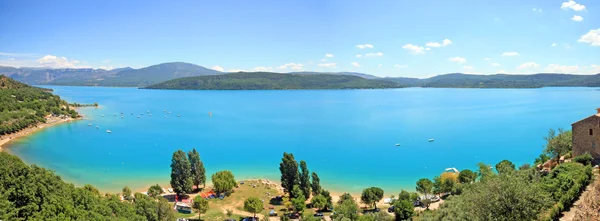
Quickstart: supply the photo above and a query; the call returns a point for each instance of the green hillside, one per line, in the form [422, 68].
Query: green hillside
[272, 81]
[22, 106]
[458, 80]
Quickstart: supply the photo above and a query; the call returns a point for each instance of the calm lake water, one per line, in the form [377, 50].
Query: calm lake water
[348, 137]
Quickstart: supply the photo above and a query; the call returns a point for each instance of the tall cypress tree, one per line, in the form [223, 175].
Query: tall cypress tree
[315, 185]
[304, 179]
[289, 173]
[198, 171]
[181, 173]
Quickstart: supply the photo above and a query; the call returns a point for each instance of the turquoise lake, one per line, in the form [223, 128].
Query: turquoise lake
[348, 137]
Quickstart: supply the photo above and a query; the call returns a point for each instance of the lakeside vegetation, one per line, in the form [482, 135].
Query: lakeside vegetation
[272, 81]
[22, 106]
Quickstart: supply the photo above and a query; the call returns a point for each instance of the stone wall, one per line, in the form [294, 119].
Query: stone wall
[582, 140]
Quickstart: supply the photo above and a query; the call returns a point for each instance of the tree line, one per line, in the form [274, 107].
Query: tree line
[22, 106]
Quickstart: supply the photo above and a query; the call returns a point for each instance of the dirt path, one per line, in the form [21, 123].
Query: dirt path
[570, 214]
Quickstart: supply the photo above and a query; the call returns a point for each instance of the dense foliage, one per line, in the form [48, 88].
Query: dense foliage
[34, 193]
[197, 168]
[181, 173]
[22, 106]
[272, 81]
[371, 196]
[253, 205]
[304, 179]
[289, 173]
[223, 181]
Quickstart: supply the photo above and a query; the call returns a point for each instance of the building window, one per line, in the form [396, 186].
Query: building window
[591, 131]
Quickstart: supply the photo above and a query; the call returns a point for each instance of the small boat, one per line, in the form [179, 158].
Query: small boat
[142, 114]
[122, 117]
[178, 115]
[210, 114]
[165, 116]
[89, 124]
[149, 114]
[430, 140]
[397, 144]
[97, 127]
[115, 114]
[169, 112]
[108, 131]
[148, 111]
[138, 116]
[102, 115]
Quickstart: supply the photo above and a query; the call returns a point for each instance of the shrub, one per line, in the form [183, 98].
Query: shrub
[585, 159]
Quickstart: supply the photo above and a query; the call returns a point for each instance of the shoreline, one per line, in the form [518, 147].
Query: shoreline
[50, 121]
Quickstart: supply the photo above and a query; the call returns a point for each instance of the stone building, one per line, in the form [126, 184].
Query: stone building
[586, 136]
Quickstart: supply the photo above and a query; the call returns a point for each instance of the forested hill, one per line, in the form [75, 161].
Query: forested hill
[458, 80]
[273, 81]
[22, 106]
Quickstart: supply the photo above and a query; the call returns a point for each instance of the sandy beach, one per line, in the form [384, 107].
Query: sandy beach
[50, 121]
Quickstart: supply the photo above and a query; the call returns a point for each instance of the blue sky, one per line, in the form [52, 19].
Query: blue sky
[383, 38]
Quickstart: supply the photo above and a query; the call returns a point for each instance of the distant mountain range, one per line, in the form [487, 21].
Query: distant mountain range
[143, 77]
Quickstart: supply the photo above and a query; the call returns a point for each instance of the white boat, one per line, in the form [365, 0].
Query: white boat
[148, 111]
[89, 124]
[138, 116]
[178, 115]
[108, 131]
[397, 144]
[102, 115]
[97, 127]
[430, 139]
[451, 169]
[165, 116]
[149, 114]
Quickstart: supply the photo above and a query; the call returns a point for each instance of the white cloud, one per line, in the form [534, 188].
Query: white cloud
[495, 64]
[359, 55]
[364, 46]
[329, 55]
[577, 18]
[592, 37]
[293, 66]
[553, 45]
[501, 72]
[555, 68]
[414, 49]
[378, 54]
[572, 5]
[355, 64]
[537, 10]
[510, 54]
[323, 60]
[487, 59]
[528, 65]
[52, 61]
[263, 69]
[380, 65]
[446, 42]
[217, 68]
[468, 67]
[235, 70]
[400, 66]
[328, 65]
[458, 60]
[106, 61]
[433, 45]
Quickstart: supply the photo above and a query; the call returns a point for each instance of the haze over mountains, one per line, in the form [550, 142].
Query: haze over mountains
[129, 77]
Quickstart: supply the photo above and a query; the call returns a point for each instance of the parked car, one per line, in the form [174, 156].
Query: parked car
[250, 219]
[391, 209]
[294, 216]
[319, 214]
